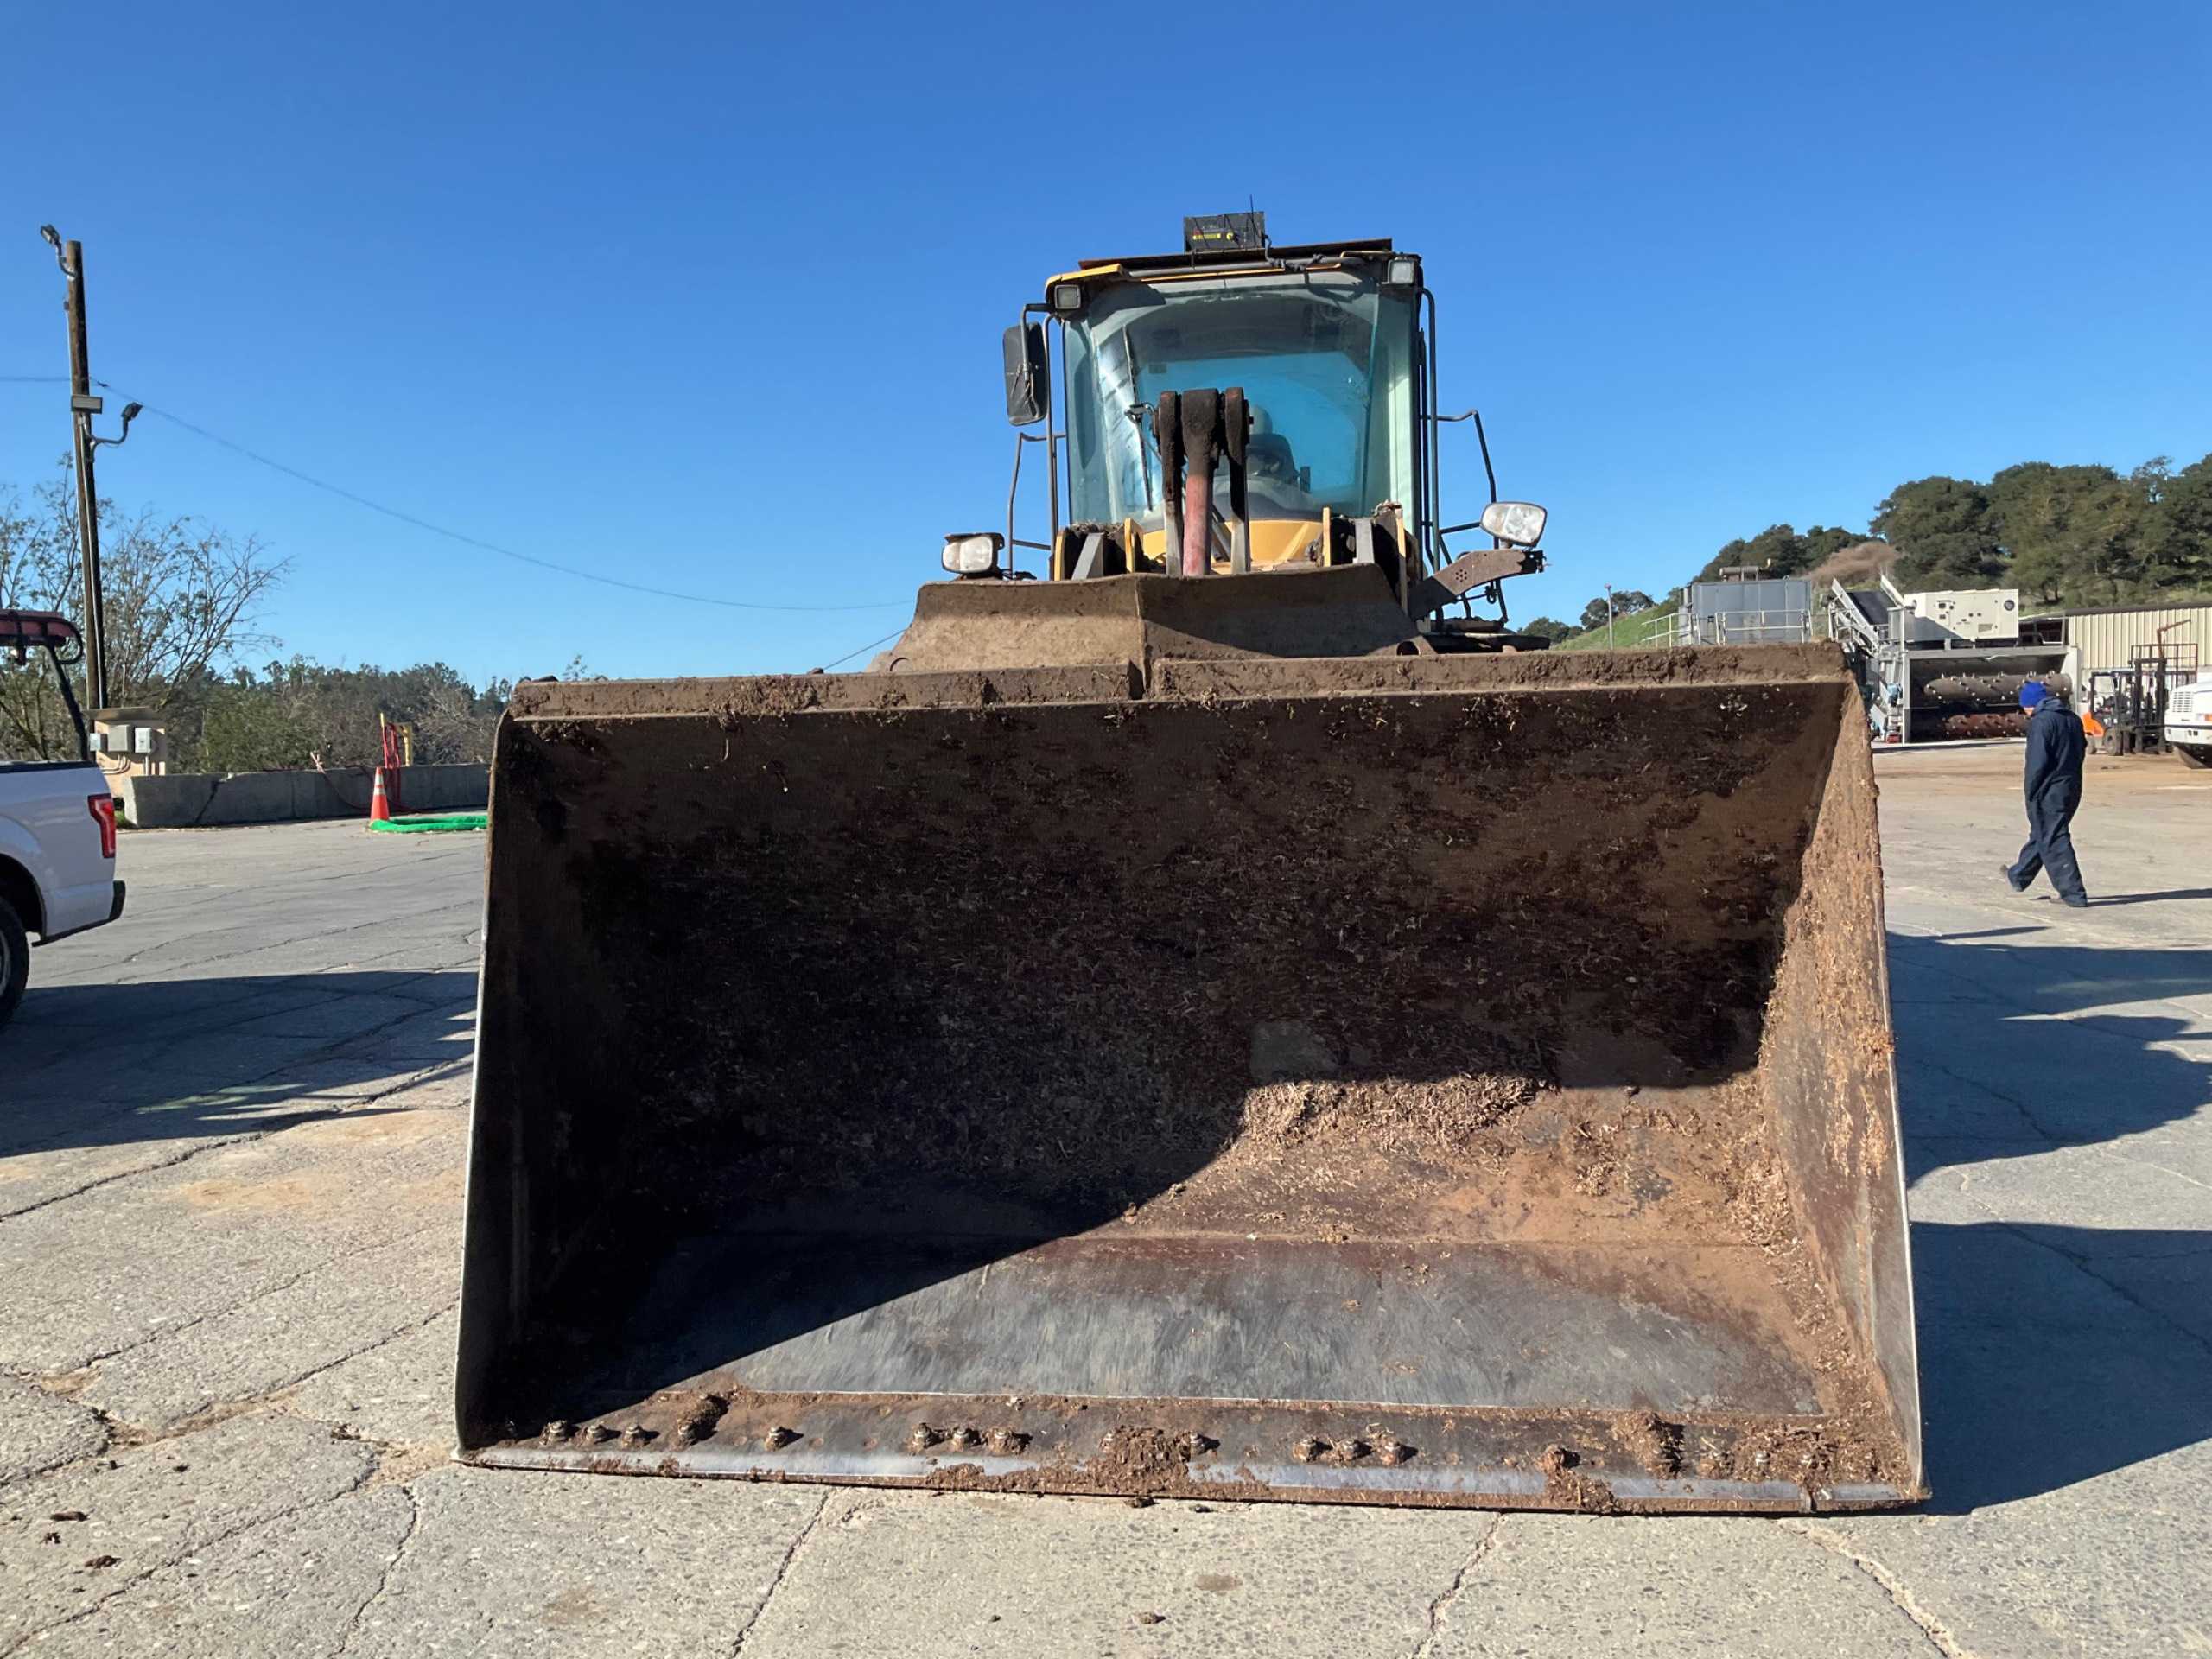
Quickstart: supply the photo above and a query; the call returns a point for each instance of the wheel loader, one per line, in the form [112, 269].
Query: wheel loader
[1206, 1013]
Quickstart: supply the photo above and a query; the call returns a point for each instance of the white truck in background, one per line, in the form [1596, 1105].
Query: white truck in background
[2189, 720]
[57, 825]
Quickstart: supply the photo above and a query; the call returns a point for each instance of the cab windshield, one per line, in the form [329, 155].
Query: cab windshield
[1326, 361]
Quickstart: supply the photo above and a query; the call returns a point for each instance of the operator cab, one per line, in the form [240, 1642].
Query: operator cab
[1290, 390]
[1325, 360]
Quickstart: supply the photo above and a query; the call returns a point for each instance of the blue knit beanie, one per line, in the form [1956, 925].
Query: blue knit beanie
[2031, 693]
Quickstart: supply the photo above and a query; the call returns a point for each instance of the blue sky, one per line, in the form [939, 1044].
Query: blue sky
[708, 297]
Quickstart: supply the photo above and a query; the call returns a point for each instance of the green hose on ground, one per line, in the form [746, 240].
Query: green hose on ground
[429, 824]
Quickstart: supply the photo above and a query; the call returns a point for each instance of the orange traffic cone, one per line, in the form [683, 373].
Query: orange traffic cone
[379, 808]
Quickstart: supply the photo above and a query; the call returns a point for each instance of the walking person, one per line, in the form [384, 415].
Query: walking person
[2056, 744]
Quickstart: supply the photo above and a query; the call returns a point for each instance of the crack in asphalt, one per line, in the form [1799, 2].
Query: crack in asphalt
[384, 1341]
[776, 1583]
[166, 1331]
[262, 945]
[2018, 1229]
[2100, 1148]
[205, 1144]
[262, 1294]
[209, 1415]
[1900, 1595]
[100, 1420]
[133, 1579]
[197, 1025]
[2087, 1020]
[215, 1143]
[1440, 1609]
[355, 1625]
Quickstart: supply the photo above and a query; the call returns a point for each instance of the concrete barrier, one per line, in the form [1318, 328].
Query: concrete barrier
[185, 800]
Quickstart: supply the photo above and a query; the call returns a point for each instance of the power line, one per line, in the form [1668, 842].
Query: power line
[871, 646]
[465, 540]
[478, 542]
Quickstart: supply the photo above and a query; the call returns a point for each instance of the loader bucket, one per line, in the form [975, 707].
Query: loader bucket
[1407, 1079]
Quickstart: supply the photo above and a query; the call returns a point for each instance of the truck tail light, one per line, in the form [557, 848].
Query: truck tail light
[102, 807]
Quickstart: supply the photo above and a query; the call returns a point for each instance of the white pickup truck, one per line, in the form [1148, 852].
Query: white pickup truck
[57, 825]
[2189, 720]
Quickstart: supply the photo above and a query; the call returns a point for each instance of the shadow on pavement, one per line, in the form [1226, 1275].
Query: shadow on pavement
[2001, 1053]
[2045, 1358]
[2097, 903]
[2050, 1355]
[93, 1065]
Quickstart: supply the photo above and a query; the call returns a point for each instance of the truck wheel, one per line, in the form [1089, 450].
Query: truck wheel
[2193, 756]
[15, 960]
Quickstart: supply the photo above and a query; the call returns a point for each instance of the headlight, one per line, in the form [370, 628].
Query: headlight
[1519, 523]
[971, 554]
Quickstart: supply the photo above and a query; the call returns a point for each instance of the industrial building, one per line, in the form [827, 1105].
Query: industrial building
[2110, 636]
[1950, 664]
[2130, 660]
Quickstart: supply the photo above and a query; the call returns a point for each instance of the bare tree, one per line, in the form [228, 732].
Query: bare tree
[180, 595]
[301, 714]
[457, 724]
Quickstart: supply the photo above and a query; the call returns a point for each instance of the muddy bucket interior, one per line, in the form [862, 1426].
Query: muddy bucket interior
[1450, 1080]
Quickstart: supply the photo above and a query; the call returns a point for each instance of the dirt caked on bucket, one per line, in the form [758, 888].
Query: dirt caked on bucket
[1452, 1080]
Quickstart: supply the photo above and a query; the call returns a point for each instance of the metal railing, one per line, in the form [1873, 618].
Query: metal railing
[1790, 627]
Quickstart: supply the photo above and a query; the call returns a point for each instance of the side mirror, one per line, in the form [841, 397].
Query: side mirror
[1028, 374]
[1517, 523]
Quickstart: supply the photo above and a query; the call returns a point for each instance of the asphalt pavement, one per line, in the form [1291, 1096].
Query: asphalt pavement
[230, 1140]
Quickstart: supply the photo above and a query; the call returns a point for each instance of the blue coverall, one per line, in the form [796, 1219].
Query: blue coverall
[2056, 745]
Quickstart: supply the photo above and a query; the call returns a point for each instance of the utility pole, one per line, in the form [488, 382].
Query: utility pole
[1609, 602]
[83, 405]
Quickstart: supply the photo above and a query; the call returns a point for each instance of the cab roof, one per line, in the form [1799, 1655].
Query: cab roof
[1268, 258]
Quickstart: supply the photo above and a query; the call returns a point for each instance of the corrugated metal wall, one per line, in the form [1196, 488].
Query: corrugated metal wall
[2105, 639]
[1775, 595]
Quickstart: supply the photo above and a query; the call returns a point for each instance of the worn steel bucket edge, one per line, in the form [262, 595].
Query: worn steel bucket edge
[1494, 1488]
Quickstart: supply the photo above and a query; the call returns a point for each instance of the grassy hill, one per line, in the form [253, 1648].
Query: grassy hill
[1628, 630]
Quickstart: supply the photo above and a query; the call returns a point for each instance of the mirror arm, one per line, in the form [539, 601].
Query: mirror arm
[1433, 458]
[1051, 438]
[1012, 490]
[1490, 473]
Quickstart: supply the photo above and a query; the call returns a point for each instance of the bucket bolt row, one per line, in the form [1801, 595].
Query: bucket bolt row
[689, 1432]
[1388, 1449]
[1006, 1442]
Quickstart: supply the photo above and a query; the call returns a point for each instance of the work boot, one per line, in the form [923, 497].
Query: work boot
[2005, 870]
[2077, 902]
